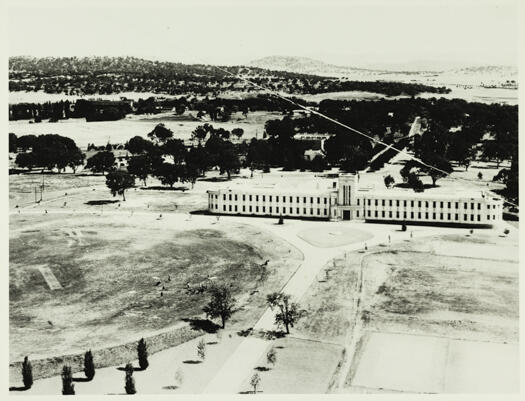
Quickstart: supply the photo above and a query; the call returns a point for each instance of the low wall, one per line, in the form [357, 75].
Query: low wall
[105, 357]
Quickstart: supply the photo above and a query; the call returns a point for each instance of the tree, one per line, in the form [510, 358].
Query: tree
[271, 356]
[140, 166]
[238, 132]
[137, 145]
[101, 162]
[389, 181]
[75, 158]
[289, 312]
[201, 349]
[118, 182]
[27, 373]
[169, 173]
[480, 175]
[142, 352]
[221, 304]
[228, 160]
[254, 382]
[68, 388]
[26, 142]
[89, 366]
[506, 232]
[415, 183]
[198, 160]
[440, 167]
[130, 381]
[160, 134]
[176, 149]
[26, 160]
[12, 143]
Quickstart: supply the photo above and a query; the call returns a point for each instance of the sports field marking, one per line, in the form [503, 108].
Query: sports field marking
[50, 278]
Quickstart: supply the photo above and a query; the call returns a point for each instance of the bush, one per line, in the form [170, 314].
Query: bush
[271, 356]
[506, 232]
[89, 366]
[130, 381]
[254, 382]
[27, 373]
[142, 351]
[68, 388]
[403, 227]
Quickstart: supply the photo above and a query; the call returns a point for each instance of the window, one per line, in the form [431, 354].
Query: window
[244, 198]
[297, 199]
[357, 201]
[397, 202]
[325, 212]
[304, 211]
[311, 211]
[318, 212]
[318, 200]
[356, 213]
[368, 202]
[257, 209]
[230, 208]
[411, 203]
[250, 209]
[311, 200]
[404, 215]
[441, 216]
[256, 198]
[471, 217]
[494, 217]
[390, 214]
[223, 197]
[411, 215]
[426, 215]
[433, 216]
[488, 216]
[326, 200]
[383, 213]
[441, 205]
[465, 217]
[434, 204]
[291, 210]
[465, 205]
[375, 213]
[369, 213]
[456, 217]
[264, 198]
[304, 199]
[448, 216]
[479, 217]
[418, 203]
[230, 197]
[405, 203]
[383, 202]
[390, 202]
[277, 209]
[270, 209]
[426, 205]
[270, 198]
[250, 198]
[264, 209]
[418, 215]
[457, 206]
[449, 205]
[224, 208]
[376, 202]
[472, 205]
[298, 211]
[479, 206]
[277, 198]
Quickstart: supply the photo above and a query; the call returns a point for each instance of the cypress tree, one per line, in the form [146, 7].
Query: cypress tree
[27, 373]
[142, 351]
[68, 388]
[130, 381]
[89, 365]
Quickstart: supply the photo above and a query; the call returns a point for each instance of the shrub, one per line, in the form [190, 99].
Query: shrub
[142, 351]
[89, 366]
[254, 382]
[201, 349]
[403, 227]
[389, 181]
[27, 373]
[130, 381]
[68, 388]
[506, 232]
[271, 356]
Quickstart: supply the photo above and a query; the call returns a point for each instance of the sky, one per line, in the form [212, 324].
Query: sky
[373, 33]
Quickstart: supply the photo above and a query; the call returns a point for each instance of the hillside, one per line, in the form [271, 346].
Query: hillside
[109, 75]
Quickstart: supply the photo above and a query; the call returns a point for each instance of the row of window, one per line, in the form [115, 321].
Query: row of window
[435, 216]
[426, 204]
[277, 198]
[284, 210]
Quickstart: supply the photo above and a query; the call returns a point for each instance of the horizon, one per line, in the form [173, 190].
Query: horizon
[422, 36]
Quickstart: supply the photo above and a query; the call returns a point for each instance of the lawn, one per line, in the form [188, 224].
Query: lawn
[109, 267]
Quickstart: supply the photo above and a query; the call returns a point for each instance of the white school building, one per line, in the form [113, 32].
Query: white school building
[344, 200]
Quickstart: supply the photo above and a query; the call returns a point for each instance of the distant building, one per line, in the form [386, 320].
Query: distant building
[344, 201]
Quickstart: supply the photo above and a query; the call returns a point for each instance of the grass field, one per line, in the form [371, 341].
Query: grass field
[108, 267]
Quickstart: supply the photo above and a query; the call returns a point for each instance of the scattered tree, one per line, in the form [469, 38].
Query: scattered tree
[142, 352]
[201, 349]
[118, 182]
[289, 312]
[68, 388]
[160, 134]
[221, 304]
[140, 166]
[480, 176]
[27, 373]
[130, 381]
[506, 232]
[89, 365]
[254, 382]
[271, 356]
